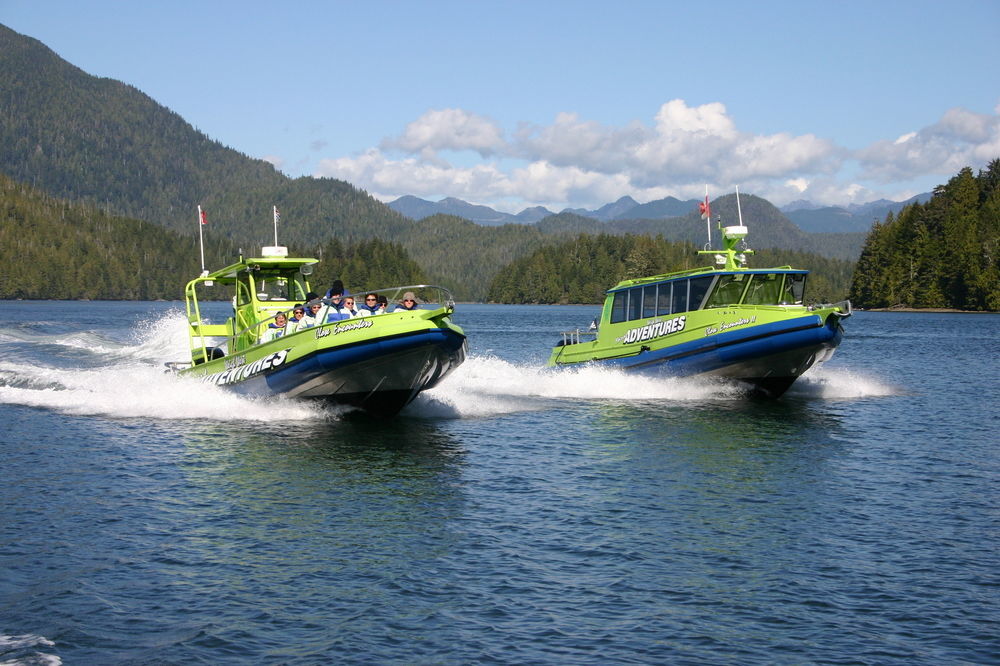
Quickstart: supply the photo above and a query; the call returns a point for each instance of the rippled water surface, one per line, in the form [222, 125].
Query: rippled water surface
[511, 515]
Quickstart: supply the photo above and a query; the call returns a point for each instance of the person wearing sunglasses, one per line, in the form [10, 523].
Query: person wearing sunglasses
[370, 307]
[298, 312]
[407, 303]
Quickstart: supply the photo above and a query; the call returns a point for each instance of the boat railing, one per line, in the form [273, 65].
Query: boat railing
[424, 294]
[577, 335]
[842, 308]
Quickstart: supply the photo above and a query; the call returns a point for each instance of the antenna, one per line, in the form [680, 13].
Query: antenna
[202, 221]
[277, 216]
[739, 211]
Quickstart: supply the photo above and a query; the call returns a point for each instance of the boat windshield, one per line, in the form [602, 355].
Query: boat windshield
[728, 290]
[277, 286]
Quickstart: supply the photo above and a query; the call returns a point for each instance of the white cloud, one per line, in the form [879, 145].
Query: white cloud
[575, 162]
[448, 129]
[961, 138]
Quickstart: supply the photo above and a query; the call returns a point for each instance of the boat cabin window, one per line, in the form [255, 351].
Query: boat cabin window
[663, 298]
[660, 299]
[696, 294]
[795, 287]
[728, 290]
[649, 301]
[764, 289]
[618, 307]
[688, 294]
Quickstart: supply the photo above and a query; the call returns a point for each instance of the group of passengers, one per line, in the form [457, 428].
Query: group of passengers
[339, 304]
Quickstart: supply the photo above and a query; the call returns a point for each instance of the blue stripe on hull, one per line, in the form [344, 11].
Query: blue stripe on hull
[418, 360]
[778, 349]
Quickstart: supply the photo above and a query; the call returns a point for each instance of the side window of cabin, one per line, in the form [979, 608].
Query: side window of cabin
[728, 291]
[649, 301]
[679, 302]
[635, 303]
[765, 289]
[696, 294]
[618, 307]
[663, 299]
[244, 289]
[795, 286]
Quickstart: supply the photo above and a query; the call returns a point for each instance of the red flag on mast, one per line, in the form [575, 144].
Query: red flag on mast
[706, 210]
[204, 216]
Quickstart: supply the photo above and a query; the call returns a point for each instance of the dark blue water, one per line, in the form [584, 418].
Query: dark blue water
[510, 516]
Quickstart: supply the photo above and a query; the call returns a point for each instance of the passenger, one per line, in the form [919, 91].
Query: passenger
[383, 303]
[408, 303]
[336, 311]
[276, 328]
[312, 315]
[337, 288]
[298, 313]
[371, 306]
[349, 306]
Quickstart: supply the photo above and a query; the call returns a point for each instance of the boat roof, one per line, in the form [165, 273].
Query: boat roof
[260, 263]
[704, 270]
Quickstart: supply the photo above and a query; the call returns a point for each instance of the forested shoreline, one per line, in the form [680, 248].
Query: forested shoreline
[944, 253]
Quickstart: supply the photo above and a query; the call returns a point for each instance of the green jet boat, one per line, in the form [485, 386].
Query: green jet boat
[378, 363]
[727, 320]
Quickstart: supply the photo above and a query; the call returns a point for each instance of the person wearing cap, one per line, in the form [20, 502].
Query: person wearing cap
[298, 312]
[407, 303]
[337, 288]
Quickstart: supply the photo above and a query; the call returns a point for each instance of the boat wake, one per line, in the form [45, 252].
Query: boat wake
[836, 384]
[488, 386]
[128, 380]
[92, 374]
[25, 650]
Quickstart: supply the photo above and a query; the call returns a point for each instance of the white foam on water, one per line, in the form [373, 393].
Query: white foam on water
[135, 390]
[15, 645]
[838, 384]
[486, 385]
[135, 384]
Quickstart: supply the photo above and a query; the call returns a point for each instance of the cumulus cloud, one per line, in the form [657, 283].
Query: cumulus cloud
[448, 129]
[574, 162]
[959, 139]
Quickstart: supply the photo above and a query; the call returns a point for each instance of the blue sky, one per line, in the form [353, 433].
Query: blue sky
[565, 104]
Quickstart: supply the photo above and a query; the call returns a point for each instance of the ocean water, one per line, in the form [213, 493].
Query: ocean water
[512, 515]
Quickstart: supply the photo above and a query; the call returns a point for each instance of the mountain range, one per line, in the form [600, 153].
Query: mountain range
[807, 216]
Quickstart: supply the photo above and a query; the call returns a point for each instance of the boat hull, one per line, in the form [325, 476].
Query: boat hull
[769, 357]
[378, 364]
[379, 376]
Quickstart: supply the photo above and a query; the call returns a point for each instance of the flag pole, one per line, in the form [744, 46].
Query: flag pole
[706, 214]
[276, 216]
[201, 239]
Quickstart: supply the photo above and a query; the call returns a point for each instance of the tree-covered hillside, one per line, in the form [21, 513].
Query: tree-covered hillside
[81, 137]
[944, 253]
[583, 269]
[52, 248]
